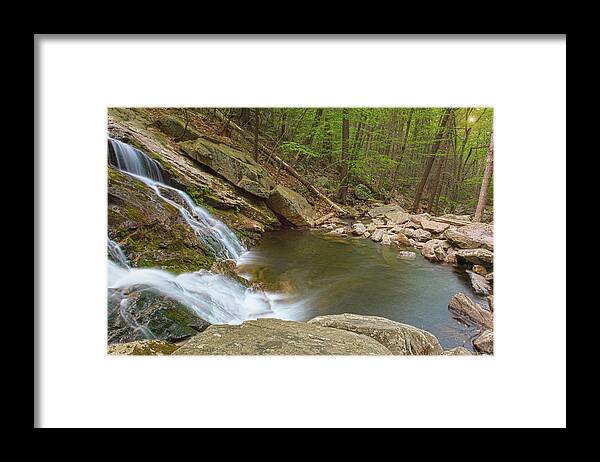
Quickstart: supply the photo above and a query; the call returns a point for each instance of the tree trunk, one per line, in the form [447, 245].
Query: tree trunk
[344, 170]
[429, 163]
[487, 176]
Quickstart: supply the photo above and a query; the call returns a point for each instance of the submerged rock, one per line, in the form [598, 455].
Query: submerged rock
[291, 206]
[407, 255]
[238, 167]
[269, 336]
[470, 312]
[142, 347]
[484, 343]
[400, 339]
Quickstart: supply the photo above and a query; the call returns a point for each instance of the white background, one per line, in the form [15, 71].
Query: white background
[524, 384]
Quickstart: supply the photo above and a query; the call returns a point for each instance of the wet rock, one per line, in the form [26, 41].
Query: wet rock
[359, 229]
[434, 226]
[476, 256]
[145, 313]
[450, 257]
[377, 235]
[386, 240]
[480, 285]
[458, 351]
[238, 167]
[291, 206]
[484, 343]
[473, 236]
[401, 239]
[400, 339]
[142, 347]
[470, 312]
[405, 255]
[269, 336]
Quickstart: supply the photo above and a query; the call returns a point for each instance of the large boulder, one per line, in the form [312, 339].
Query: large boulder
[470, 312]
[391, 212]
[484, 343]
[400, 339]
[144, 313]
[143, 347]
[236, 166]
[434, 226]
[291, 206]
[482, 257]
[269, 336]
[473, 236]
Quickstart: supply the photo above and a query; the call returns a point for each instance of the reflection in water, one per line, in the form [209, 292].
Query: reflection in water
[332, 275]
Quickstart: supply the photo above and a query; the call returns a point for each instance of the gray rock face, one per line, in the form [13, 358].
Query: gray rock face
[291, 206]
[476, 256]
[470, 312]
[400, 339]
[142, 347]
[480, 285]
[485, 342]
[458, 351]
[268, 336]
[237, 166]
[473, 236]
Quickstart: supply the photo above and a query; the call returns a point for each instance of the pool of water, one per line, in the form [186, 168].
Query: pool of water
[325, 274]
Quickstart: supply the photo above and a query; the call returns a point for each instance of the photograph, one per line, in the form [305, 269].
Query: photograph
[300, 231]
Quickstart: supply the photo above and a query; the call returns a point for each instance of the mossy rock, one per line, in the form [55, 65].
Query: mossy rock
[175, 128]
[143, 348]
[362, 192]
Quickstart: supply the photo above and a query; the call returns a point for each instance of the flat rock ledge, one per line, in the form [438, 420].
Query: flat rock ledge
[269, 336]
[400, 339]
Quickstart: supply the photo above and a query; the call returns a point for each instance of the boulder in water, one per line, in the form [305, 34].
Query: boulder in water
[291, 206]
[377, 235]
[401, 239]
[405, 255]
[470, 312]
[480, 285]
[476, 256]
[400, 339]
[484, 343]
[269, 336]
[359, 229]
[434, 249]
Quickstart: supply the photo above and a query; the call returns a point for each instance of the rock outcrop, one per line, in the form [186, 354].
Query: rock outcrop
[142, 347]
[238, 167]
[292, 206]
[470, 312]
[400, 339]
[268, 336]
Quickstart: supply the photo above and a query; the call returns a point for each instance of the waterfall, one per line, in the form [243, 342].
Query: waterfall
[215, 234]
[129, 159]
[214, 297]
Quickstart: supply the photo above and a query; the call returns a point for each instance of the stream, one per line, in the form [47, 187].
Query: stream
[324, 274]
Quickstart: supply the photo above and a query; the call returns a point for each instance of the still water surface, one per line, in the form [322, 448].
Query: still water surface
[324, 274]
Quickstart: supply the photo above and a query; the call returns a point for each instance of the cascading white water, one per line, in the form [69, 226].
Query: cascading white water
[214, 297]
[132, 160]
